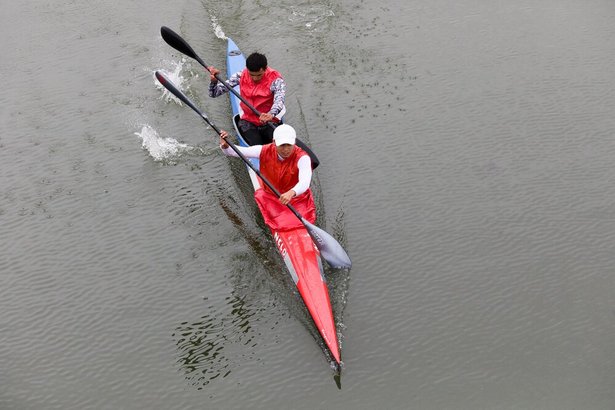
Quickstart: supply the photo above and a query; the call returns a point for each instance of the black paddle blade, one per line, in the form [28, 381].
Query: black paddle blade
[177, 42]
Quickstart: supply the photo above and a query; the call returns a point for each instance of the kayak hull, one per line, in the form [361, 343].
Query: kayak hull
[295, 246]
[303, 262]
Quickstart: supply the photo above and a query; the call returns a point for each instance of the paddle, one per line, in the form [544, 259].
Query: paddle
[177, 42]
[330, 249]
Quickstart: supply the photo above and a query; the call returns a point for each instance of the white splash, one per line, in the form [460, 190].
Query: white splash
[217, 29]
[161, 149]
[176, 78]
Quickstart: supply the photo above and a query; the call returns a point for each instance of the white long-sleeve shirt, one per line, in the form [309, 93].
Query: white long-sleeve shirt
[304, 164]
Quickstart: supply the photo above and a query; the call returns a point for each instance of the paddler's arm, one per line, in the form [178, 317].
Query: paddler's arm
[253, 151]
[278, 89]
[305, 177]
[215, 88]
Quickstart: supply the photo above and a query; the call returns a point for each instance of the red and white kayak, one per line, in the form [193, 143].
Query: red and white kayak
[294, 243]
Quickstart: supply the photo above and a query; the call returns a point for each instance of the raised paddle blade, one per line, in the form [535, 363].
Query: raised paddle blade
[329, 248]
[177, 42]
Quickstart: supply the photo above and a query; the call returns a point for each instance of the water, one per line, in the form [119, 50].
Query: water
[466, 154]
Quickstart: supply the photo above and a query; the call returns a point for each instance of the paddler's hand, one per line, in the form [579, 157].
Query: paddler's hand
[287, 196]
[223, 137]
[212, 73]
[265, 117]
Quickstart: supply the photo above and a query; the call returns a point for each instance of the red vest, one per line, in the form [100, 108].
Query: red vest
[258, 94]
[283, 175]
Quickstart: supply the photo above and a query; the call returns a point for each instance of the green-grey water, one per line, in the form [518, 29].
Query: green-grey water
[466, 165]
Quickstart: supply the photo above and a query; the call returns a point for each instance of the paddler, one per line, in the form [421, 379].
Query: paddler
[262, 87]
[288, 168]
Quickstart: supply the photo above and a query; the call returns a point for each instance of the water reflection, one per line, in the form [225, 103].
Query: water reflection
[338, 280]
[220, 341]
[206, 346]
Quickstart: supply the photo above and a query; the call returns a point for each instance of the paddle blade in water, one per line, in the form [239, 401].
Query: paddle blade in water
[329, 248]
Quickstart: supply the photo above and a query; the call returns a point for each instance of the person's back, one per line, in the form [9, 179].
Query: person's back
[263, 88]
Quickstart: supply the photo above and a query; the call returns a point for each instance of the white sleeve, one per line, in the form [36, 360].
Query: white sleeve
[253, 151]
[305, 175]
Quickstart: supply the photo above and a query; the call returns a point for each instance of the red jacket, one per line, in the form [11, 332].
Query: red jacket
[258, 94]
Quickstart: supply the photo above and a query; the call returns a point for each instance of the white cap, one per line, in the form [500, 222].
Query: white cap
[284, 134]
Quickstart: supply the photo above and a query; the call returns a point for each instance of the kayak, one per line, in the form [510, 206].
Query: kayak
[295, 245]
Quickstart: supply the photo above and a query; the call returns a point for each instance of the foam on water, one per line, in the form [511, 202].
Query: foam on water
[166, 149]
[216, 26]
[160, 148]
[176, 78]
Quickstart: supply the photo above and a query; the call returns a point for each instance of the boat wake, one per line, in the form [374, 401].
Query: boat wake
[216, 26]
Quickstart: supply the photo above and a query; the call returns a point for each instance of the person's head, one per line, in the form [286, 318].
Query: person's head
[256, 63]
[284, 137]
